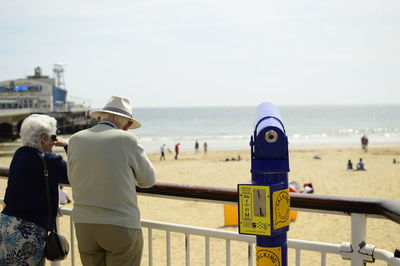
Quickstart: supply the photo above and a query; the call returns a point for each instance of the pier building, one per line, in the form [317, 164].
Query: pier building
[40, 94]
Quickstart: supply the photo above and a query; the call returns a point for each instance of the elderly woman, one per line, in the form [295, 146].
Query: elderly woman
[24, 220]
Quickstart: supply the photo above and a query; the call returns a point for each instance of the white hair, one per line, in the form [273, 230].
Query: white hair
[34, 126]
[114, 118]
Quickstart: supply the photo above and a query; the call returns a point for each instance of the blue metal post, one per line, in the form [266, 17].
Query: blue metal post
[269, 169]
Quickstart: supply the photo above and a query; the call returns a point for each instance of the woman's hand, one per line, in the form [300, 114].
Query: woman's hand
[60, 142]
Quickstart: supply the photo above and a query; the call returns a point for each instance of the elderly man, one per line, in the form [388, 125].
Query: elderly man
[105, 164]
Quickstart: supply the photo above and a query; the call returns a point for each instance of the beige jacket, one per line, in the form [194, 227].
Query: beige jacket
[105, 165]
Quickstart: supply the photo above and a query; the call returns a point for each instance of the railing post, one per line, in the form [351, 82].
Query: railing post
[358, 236]
[150, 245]
[264, 205]
[72, 237]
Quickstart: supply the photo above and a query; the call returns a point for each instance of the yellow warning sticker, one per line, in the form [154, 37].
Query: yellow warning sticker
[254, 210]
[281, 208]
[268, 256]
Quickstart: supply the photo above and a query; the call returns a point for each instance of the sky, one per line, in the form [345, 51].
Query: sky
[165, 53]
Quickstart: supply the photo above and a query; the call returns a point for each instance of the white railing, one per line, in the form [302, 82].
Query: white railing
[355, 250]
[366, 253]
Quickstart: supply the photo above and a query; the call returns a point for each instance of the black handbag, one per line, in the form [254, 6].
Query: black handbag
[56, 246]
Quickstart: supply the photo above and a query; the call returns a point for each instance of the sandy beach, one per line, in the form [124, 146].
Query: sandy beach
[328, 175]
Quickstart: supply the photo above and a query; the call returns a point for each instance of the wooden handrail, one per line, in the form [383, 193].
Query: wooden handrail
[3, 171]
[389, 209]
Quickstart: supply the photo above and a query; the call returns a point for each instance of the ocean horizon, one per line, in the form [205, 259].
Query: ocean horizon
[230, 128]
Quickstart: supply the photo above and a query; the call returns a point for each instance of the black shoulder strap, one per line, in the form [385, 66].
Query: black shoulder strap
[46, 180]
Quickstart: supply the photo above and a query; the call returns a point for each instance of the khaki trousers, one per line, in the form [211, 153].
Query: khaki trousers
[110, 245]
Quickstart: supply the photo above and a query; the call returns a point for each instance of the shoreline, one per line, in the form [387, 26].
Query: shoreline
[292, 147]
[188, 146]
[295, 147]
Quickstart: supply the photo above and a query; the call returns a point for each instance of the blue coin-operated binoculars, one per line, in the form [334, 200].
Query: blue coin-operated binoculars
[264, 205]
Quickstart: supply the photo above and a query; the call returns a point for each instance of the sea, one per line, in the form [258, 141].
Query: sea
[230, 128]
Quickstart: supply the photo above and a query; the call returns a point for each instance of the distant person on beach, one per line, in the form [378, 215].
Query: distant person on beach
[360, 165]
[196, 147]
[24, 221]
[364, 143]
[205, 146]
[233, 159]
[162, 151]
[308, 188]
[63, 196]
[177, 150]
[105, 164]
[349, 165]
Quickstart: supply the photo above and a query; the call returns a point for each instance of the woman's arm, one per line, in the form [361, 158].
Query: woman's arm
[60, 142]
[58, 168]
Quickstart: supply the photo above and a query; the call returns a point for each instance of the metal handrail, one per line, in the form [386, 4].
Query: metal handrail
[389, 209]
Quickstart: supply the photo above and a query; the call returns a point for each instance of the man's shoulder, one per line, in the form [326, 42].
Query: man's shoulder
[112, 134]
[126, 135]
[81, 132]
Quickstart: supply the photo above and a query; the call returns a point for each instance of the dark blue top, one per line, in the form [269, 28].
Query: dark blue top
[26, 188]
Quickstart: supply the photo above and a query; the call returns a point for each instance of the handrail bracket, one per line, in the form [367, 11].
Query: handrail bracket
[365, 252]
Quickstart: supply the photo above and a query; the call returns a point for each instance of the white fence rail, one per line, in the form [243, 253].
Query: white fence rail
[358, 256]
[355, 250]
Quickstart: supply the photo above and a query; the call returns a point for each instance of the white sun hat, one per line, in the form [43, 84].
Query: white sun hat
[121, 106]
